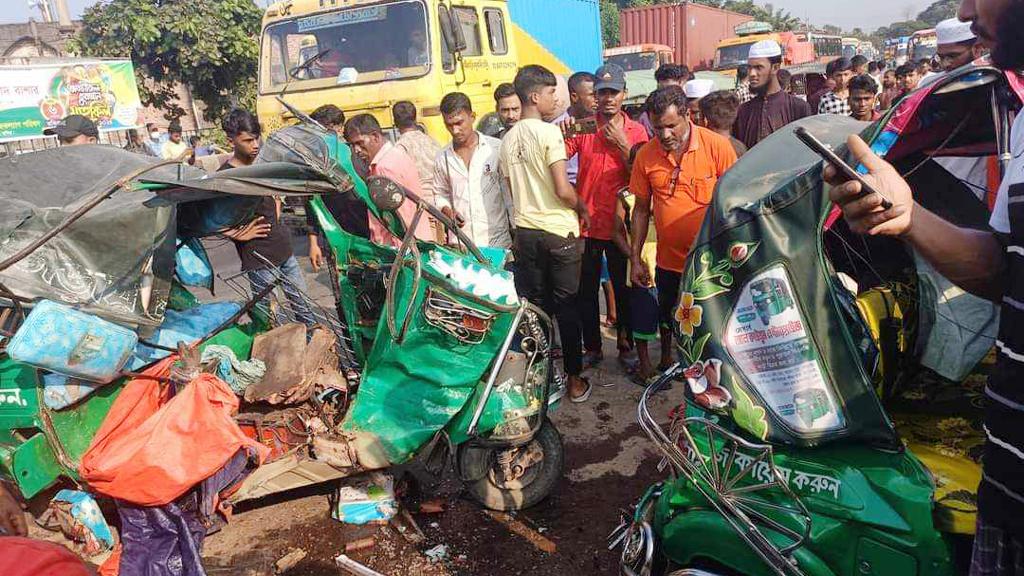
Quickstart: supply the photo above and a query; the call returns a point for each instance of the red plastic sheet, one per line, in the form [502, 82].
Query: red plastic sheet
[154, 447]
[27, 557]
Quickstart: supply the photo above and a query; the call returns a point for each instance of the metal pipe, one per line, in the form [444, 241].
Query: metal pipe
[500, 359]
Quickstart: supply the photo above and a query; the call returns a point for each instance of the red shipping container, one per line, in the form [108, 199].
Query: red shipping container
[693, 31]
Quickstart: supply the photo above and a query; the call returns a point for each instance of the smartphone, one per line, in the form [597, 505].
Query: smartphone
[583, 126]
[829, 156]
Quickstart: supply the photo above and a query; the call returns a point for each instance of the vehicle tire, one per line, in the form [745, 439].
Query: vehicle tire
[479, 469]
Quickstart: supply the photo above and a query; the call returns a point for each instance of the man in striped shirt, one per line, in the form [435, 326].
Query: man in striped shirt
[988, 263]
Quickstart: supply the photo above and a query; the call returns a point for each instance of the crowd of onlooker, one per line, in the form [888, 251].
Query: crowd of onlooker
[585, 196]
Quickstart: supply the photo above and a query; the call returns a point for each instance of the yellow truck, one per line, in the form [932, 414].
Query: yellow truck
[375, 53]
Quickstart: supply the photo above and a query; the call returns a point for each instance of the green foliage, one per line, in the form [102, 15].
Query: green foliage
[208, 45]
[610, 23]
[938, 11]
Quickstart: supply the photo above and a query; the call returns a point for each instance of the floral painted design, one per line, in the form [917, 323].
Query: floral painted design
[689, 314]
[705, 279]
[704, 379]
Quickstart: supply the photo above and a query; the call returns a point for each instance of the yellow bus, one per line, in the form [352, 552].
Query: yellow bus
[375, 53]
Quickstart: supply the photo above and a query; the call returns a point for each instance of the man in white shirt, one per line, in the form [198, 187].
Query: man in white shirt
[418, 53]
[468, 187]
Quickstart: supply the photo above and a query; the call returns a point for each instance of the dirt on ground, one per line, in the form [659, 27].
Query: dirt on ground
[609, 464]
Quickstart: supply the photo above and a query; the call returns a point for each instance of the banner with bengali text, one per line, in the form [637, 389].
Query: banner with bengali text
[36, 97]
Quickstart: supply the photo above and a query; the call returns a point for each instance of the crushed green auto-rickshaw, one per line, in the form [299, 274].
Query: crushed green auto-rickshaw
[427, 351]
[831, 419]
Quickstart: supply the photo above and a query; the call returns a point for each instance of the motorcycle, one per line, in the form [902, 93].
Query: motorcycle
[431, 352]
[830, 425]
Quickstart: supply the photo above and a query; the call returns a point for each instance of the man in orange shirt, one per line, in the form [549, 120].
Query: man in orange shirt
[673, 176]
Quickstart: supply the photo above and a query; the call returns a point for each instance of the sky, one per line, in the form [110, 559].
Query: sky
[867, 14]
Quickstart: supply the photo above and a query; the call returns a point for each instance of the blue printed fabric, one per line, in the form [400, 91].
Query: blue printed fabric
[192, 265]
[61, 339]
[183, 326]
[88, 524]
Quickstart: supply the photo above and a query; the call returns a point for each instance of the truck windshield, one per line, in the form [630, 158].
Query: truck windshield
[924, 49]
[363, 45]
[635, 61]
[732, 56]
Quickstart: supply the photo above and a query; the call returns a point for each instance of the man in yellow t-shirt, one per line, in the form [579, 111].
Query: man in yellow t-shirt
[548, 216]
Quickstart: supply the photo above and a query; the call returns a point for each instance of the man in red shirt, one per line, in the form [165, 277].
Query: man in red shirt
[603, 171]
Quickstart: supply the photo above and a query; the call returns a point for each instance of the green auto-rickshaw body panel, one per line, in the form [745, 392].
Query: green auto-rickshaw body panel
[871, 513]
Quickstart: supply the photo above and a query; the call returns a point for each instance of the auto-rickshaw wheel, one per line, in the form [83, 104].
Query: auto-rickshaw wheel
[493, 489]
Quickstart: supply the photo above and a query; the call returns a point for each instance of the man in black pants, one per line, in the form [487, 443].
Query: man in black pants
[548, 216]
[603, 171]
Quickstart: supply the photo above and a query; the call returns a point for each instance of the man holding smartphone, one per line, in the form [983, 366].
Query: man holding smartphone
[603, 171]
[987, 263]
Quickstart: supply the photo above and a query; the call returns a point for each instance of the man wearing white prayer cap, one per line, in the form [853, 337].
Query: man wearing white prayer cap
[695, 90]
[771, 108]
[958, 46]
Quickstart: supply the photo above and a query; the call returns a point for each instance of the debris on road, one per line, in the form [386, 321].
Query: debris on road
[361, 544]
[517, 527]
[365, 499]
[352, 567]
[289, 560]
[437, 553]
[434, 506]
[405, 525]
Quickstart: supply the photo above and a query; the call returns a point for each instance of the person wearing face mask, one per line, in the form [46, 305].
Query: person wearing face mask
[673, 178]
[155, 142]
[987, 263]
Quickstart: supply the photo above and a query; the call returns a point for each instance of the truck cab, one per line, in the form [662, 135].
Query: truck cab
[374, 54]
[732, 52]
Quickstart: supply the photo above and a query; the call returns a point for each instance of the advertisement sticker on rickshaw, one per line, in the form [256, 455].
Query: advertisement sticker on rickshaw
[767, 338]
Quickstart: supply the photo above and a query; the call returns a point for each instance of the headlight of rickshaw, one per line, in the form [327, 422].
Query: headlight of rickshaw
[468, 325]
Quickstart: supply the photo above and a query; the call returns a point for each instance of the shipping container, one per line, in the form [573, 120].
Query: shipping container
[692, 30]
[541, 26]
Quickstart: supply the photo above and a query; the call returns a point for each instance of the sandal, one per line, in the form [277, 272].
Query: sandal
[591, 359]
[585, 396]
[629, 364]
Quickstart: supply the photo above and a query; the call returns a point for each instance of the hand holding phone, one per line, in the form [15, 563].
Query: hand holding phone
[845, 169]
[867, 213]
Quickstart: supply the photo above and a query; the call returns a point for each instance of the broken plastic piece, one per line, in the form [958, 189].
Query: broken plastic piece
[352, 567]
[437, 553]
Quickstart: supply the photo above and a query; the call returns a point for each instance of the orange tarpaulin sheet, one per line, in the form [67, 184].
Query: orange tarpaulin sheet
[154, 447]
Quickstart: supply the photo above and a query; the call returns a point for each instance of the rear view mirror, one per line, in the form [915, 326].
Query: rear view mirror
[386, 195]
[451, 32]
